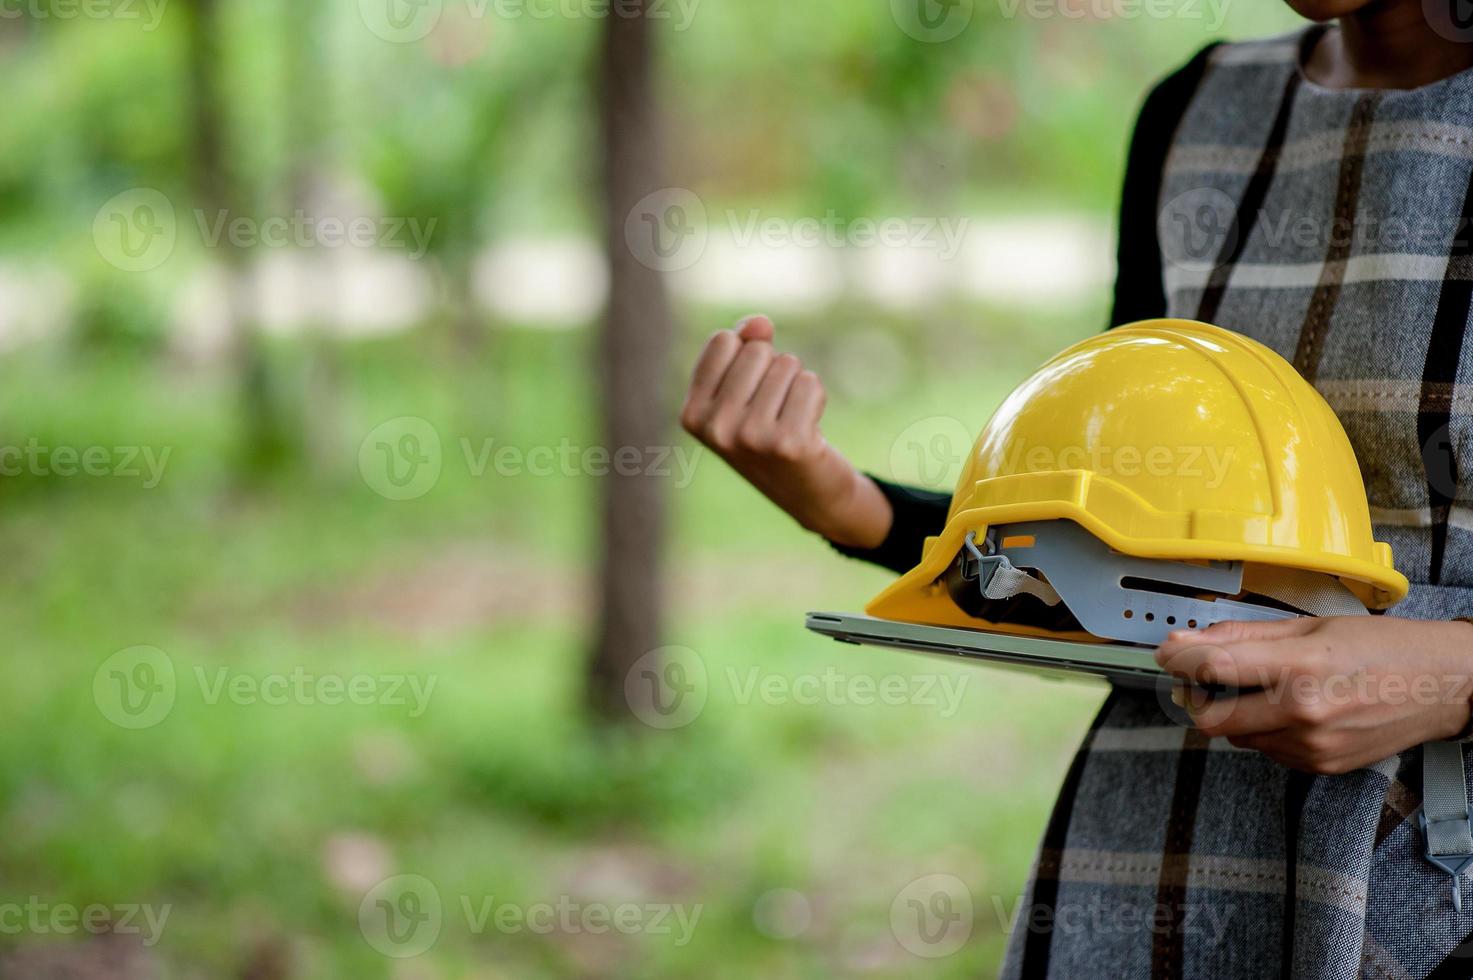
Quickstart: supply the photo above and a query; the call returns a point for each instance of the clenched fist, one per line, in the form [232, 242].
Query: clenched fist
[759, 410]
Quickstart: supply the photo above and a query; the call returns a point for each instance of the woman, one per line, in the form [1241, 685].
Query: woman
[1330, 174]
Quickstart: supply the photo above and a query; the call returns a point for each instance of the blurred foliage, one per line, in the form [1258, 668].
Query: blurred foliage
[823, 104]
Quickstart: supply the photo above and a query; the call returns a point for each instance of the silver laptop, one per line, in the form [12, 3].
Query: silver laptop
[1131, 666]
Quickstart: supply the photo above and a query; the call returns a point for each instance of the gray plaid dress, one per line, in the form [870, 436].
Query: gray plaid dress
[1333, 226]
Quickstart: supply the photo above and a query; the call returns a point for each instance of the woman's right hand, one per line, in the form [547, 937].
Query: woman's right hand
[759, 410]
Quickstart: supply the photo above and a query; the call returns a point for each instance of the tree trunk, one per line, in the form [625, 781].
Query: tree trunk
[633, 356]
[217, 191]
[308, 39]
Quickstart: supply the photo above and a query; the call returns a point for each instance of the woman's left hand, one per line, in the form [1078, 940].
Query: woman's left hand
[1327, 695]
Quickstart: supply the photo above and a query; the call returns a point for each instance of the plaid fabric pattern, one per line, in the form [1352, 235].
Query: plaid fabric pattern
[1337, 228]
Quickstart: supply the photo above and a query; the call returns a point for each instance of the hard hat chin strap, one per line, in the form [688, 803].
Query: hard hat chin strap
[1001, 579]
[1444, 817]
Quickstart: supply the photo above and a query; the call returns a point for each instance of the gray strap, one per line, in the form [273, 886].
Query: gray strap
[1001, 579]
[1008, 580]
[1445, 799]
[1445, 819]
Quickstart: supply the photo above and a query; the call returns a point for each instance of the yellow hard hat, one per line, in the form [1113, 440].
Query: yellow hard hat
[1212, 480]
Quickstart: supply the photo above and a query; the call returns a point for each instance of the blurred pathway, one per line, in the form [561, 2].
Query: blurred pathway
[1041, 261]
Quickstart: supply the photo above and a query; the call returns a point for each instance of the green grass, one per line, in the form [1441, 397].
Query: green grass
[235, 813]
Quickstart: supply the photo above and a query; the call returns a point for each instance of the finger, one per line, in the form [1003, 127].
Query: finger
[1243, 715]
[756, 327]
[1240, 631]
[774, 388]
[805, 403]
[742, 378]
[1241, 665]
[1288, 751]
[711, 367]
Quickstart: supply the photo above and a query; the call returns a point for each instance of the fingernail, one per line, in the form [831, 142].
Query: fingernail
[1179, 696]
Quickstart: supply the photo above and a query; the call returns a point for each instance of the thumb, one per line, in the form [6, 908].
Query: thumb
[756, 327]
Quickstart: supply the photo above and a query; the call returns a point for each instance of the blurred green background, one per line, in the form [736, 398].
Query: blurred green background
[230, 537]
